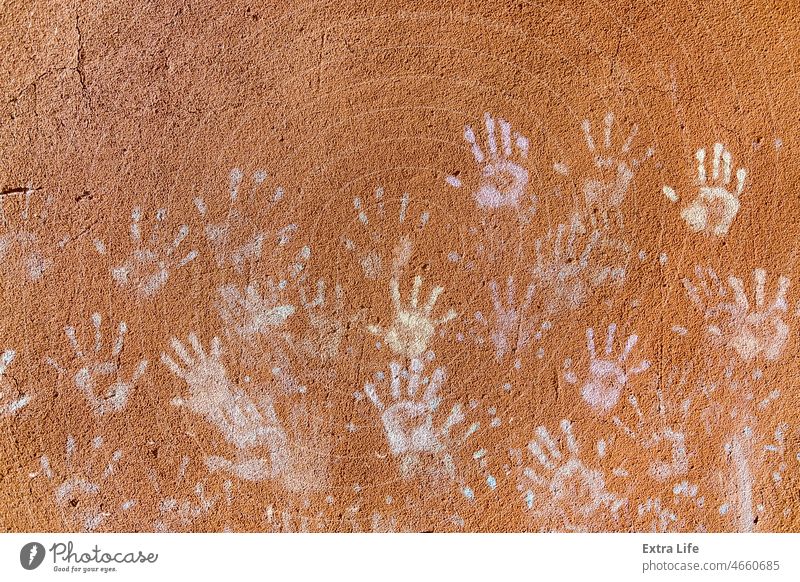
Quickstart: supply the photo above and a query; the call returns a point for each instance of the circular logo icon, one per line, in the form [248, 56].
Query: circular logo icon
[31, 555]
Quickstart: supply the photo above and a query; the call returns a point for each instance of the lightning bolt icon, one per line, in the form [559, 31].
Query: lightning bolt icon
[34, 550]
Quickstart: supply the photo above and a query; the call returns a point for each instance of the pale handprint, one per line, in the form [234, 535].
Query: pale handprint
[412, 328]
[715, 207]
[11, 401]
[568, 489]
[238, 240]
[99, 377]
[750, 330]
[328, 323]
[148, 268]
[504, 179]
[243, 422]
[609, 265]
[21, 240]
[82, 494]
[177, 516]
[379, 219]
[607, 192]
[666, 445]
[250, 314]
[512, 329]
[218, 234]
[408, 420]
[209, 387]
[763, 329]
[561, 265]
[607, 376]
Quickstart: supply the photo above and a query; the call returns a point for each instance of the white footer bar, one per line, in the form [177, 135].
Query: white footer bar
[380, 557]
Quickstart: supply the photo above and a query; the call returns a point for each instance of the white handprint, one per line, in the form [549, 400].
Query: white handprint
[664, 442]
[412, 327]
[511, 326]
[81, 494]
[408, 419]
[22, 240]
[93, 369]
[716, 205]
[375, 219]
[256, 323]
[238, 240]
[568, 490]
[561, 265]
[178, 516]
[609, 192]
[176, 511]
[750, 330]
[148, 268]
[328, 323]
[504, 178]
[605, 193]
[606, 376]
[243, 422]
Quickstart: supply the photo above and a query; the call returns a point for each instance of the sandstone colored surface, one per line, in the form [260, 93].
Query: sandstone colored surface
[384, 266]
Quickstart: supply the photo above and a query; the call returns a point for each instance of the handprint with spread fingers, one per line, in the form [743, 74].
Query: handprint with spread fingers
[716, 204]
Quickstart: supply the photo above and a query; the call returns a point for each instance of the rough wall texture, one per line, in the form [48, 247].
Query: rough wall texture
[383, 266]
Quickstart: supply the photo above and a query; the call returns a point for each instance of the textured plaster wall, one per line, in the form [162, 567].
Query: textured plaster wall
[418, 266]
